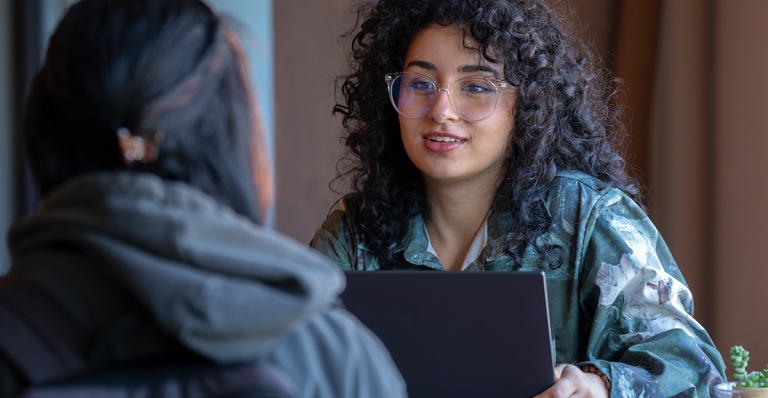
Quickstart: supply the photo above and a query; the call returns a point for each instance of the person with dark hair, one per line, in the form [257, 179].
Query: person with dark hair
[483, 135]
[142, 135]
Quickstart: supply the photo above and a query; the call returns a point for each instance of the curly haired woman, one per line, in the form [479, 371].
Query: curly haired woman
[483, 137]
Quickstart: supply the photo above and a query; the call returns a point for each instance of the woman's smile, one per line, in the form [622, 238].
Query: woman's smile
[441, 142]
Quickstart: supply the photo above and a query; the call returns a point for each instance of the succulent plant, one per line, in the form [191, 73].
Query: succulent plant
[754, 379]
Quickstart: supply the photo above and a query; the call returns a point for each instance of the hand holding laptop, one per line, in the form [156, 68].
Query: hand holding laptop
[572, 381]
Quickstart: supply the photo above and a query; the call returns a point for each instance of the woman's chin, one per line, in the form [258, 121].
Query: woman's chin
[443, 176]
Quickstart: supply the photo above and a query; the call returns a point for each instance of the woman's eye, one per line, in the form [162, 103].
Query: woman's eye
[420, 86]
[475, 88]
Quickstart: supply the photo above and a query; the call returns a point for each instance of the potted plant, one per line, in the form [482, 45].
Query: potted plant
[755, 379]
[749, 384]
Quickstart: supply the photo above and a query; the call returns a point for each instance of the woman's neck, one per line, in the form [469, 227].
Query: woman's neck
[457, 211]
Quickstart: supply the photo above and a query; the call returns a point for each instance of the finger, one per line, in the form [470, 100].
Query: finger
[559, 371]
[586, 384]
[564, 387]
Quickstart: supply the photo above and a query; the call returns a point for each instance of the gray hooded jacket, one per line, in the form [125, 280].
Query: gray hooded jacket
[144, 264]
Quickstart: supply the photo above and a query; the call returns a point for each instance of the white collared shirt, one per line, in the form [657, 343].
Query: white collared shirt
[478, 244]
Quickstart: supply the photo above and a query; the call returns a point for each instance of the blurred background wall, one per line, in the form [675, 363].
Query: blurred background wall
[307, 60]
[739, 164]
[694, 82]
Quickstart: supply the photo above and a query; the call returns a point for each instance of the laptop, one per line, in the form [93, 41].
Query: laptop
[459, 334]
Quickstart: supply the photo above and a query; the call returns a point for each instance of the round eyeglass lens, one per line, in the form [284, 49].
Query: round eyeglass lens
[474, 99]
[413, 95]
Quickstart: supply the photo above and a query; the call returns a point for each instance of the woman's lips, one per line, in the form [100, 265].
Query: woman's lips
[441, 142]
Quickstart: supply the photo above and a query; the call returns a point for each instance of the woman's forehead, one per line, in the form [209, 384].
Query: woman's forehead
[444, 49]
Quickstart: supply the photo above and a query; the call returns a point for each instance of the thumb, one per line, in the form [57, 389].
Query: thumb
[559, 371]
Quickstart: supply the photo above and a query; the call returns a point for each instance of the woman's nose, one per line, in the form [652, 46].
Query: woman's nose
[442, 110]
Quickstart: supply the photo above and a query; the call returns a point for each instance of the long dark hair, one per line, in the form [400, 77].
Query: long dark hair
[148, 66]
[565, 118]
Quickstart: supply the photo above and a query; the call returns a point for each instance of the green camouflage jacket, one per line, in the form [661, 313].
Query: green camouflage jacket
[617, 300]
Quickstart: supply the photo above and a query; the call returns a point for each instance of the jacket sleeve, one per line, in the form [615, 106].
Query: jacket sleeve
[337, 238]
[643, 333]
[326, 243]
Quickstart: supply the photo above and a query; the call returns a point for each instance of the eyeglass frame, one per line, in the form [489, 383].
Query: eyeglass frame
[497, 84]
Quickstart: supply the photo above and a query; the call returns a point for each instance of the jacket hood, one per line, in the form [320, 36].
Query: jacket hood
[222, 285]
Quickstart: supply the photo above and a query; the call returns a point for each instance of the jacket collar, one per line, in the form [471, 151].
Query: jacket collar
[414, 247]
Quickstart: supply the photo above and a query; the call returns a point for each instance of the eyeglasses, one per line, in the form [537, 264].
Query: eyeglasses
[472, 98]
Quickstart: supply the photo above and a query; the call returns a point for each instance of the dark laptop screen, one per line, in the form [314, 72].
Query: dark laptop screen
[459, 334]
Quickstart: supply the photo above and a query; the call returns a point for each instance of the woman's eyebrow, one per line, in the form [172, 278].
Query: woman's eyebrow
[462, 69]
[478, 68]
[422, 64]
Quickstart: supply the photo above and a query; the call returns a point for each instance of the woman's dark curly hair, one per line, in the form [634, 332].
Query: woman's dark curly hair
[566, 116]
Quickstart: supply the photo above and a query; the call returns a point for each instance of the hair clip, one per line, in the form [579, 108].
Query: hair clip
[137, 148]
